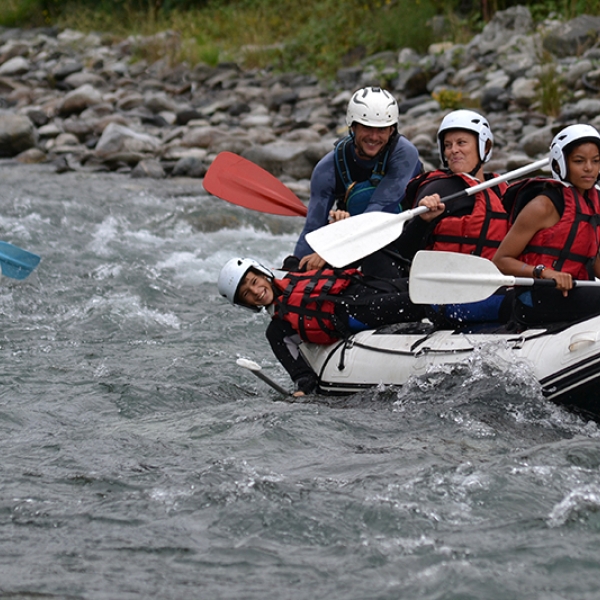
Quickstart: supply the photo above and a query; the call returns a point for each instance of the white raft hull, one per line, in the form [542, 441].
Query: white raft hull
[565, 360]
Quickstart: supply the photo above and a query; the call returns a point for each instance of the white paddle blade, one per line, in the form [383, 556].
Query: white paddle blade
[248, 364]
[453, 278]
[344, 242]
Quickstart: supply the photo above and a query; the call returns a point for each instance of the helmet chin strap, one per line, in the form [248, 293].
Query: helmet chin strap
[476, 169]
[479, 163]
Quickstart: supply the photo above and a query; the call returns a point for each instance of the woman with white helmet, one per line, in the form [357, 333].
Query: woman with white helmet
[555, 229]
[368, 170]
[318, 306]
[473, 224]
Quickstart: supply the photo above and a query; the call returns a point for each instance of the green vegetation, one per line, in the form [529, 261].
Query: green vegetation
[446, 98]
[315, 36]
[551, 92]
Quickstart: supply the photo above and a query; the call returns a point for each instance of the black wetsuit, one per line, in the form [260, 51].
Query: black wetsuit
[367, 303]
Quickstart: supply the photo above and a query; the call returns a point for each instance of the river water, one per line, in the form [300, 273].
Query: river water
[139, 461]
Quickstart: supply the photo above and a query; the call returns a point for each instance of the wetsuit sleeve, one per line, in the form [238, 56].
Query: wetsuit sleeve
[285, 344]
[403, 165]
[444, 187]
[322, 194]
[556, 197]
[416, 233]
[413, 238]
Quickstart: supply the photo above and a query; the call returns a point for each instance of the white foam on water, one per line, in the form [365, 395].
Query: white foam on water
[216, 248]
[576, 506]
[129, 307]
[144, 237]
[107, 271]
[105, 233]
[20, 227]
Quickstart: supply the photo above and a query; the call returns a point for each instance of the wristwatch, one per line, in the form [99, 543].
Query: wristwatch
[537, 271]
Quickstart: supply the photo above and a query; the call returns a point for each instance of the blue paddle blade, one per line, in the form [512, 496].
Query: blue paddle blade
[15, 262]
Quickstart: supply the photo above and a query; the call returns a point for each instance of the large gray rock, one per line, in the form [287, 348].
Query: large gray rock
[118, 138]
[76, 80]
[282, 158]
[202, 137]
[17, 134]
[538, 141]
[15, 66]
[573, 37]
[189, 166]
[79, 99]
[503, 25]
[148, 168]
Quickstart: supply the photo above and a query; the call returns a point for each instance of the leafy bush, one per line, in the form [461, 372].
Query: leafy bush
[550, 89]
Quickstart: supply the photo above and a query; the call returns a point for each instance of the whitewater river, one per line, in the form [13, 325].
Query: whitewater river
[139, 461]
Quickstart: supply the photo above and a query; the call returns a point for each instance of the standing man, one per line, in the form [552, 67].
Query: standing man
[368, 170]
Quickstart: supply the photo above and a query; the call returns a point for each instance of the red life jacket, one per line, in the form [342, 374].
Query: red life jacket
[481, 230]
[572, 244]
[308, 300]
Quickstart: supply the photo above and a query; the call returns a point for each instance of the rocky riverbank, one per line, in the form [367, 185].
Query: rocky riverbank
[82, 102]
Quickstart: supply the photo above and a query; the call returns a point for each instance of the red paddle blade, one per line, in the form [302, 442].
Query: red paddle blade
[240, 181]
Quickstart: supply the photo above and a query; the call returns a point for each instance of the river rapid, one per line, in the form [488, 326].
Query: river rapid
[139, 461]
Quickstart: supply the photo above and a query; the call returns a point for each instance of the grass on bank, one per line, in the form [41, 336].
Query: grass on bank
[315, 36]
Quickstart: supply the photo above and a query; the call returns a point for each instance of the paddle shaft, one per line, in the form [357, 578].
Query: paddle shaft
[485, 185]
[256, 369]
[350, 240]
[272, 383]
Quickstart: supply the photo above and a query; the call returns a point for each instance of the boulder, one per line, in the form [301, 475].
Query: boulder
[17, 134]
[79, 99]
[118, 138]
[574, 37]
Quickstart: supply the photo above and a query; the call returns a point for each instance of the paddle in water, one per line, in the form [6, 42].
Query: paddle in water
[239, 181]
[257, 370]
[438, 277]
[344, 242]
[15, 262]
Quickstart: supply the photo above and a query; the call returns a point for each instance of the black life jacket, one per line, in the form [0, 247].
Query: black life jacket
[355, 185]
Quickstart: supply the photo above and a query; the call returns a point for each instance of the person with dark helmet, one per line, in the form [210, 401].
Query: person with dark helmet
[368, 170]
[319, 306]
[555, 231]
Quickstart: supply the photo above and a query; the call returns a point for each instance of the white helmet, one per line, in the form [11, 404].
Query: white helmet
[562, 143]
[231, 276]
[373, 107]
[468, 120]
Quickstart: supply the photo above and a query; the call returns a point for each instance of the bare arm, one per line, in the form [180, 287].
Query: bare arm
[311, 262]
[597, 266]
[538, 214]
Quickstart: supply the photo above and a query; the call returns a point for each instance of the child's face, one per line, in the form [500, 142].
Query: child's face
[255, 290]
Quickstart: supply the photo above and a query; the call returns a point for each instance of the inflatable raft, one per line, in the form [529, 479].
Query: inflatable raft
[563, 357]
